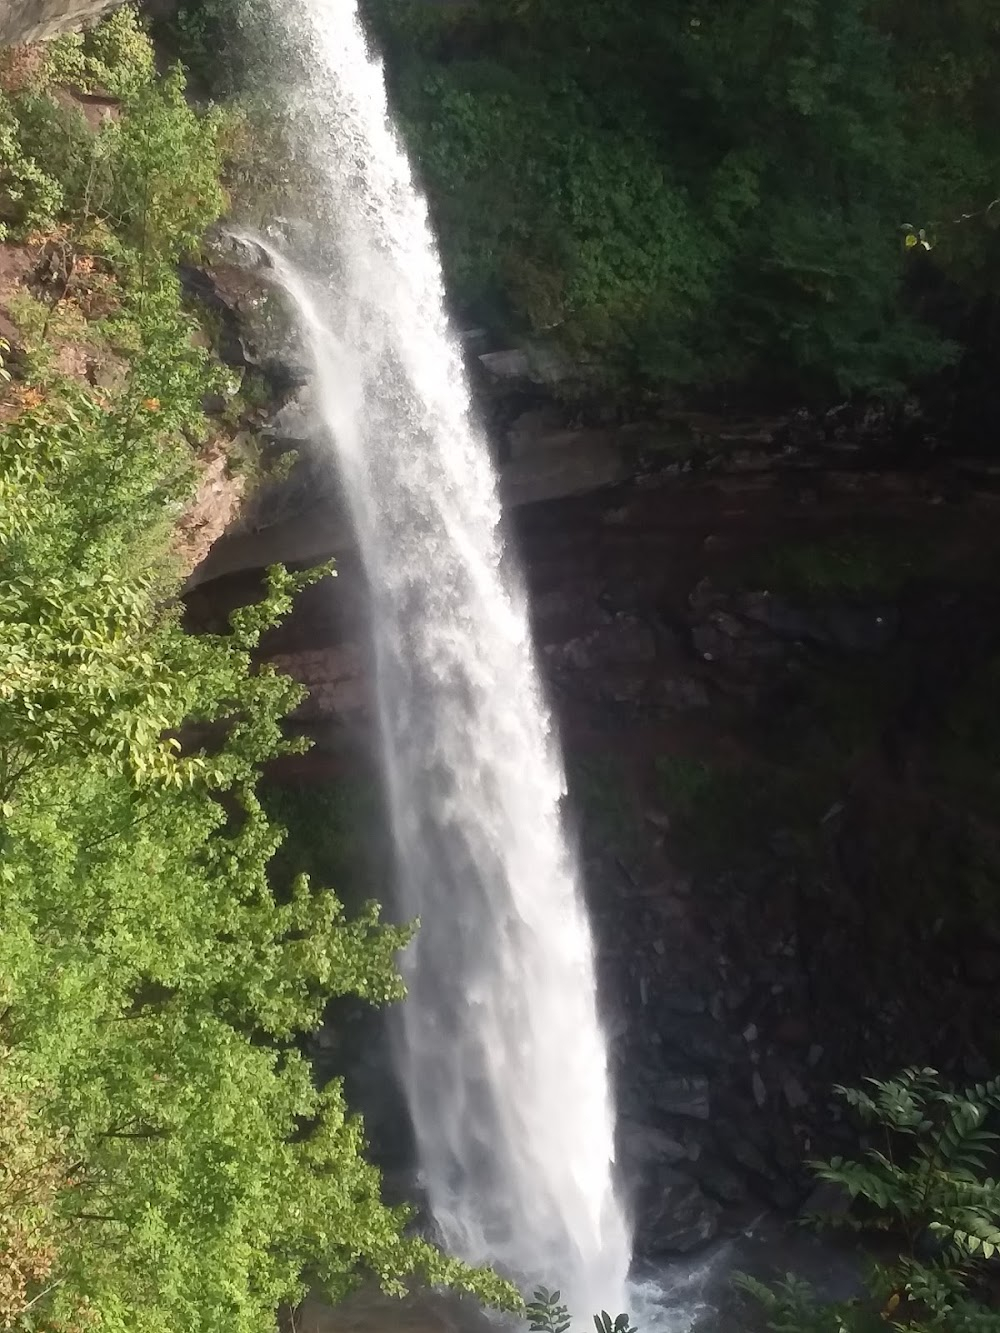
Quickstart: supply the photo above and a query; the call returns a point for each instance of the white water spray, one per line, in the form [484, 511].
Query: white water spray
[504, 1060]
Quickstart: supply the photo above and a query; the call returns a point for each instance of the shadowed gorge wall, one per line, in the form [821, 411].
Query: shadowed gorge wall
[773, 677]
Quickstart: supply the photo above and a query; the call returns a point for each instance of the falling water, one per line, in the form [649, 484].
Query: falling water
[503, 1059]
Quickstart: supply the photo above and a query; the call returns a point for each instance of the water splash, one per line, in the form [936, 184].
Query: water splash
[503, 1056]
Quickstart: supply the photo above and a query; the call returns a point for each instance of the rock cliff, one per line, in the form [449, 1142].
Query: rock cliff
[771, 665]
[24, 21]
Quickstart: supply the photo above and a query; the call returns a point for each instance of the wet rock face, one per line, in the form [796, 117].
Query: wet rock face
[254, 329]
[212, 510]
[25, 21]
[673, 1215]
[782, 793]
[544, 449]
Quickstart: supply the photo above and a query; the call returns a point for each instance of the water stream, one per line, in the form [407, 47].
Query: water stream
[502, 1052]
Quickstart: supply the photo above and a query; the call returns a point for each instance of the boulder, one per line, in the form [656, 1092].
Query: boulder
[255, 328]
[674, 1215]
[719, 1180]
[723, 637]
[759, 1089]
[585, 461]
[642, 1147]
[537, 429]
[297, 421]
[623, 641]
[679, 694]
[699, 1039]
[533, 364]
[705, 597]
[683, 1095]
[512, 363]
[682, 1001]
[795, 1094]
[851, 628]
[741, 1150]
[828, 1199]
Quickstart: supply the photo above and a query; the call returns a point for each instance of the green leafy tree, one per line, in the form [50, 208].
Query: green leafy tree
[153, 985]
[177, 1165]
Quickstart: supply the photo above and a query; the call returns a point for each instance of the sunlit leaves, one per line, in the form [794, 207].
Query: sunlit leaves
[155, 981]
[150, 172]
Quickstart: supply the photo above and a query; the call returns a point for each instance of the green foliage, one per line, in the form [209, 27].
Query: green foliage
[200, 33]
[228, 49]
[161, 185]
[29, 195]
[325, 822]
[576, 227]
[152, 984]
[931, 1189]
[725, 816]
[688, 194]
[32, 1167]
[937, 1189]
[115, 57]
[547, 1314]
[180, 1167]
[620, 1324]
[151, 173]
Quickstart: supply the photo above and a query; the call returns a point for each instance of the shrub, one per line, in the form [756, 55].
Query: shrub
[115, 56]
[30, 197]
[704, 194]
[151, 174]
[930, 1187]
[161, 166]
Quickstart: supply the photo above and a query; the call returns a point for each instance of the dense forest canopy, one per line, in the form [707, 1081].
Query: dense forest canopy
[705, 194]
[783, 193]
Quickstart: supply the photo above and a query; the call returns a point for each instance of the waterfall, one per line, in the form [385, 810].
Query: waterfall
[503, 1056]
